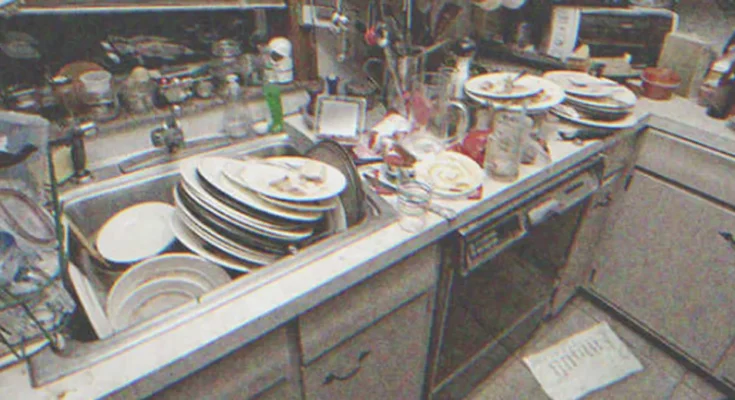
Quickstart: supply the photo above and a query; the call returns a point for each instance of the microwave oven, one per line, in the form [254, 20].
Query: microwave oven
[609, 32]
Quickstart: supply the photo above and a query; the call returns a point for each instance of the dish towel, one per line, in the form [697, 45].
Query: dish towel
[582, 363]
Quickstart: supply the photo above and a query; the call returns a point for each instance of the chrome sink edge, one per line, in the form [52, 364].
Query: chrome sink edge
[48, 366]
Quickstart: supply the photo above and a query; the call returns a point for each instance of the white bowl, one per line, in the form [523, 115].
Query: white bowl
[137, 232]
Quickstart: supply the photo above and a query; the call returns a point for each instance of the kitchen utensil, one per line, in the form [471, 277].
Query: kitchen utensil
[137, 232]
[444, 212]
[84, 241]
[585, 134]
[413, 203]
[353, 198]
[431, 109]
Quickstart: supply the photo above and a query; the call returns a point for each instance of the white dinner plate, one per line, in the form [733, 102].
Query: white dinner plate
[322, 206]
[570, 114]
[450, 174]
[198, 246]
[581, 84]
[197, 192]
[137, 232]
[493, 85]
[284, 178]
[619, 97]
[153, 298]
[551, 95]
[215, 239]
[90, 303]
[168, 265]
[210, 168]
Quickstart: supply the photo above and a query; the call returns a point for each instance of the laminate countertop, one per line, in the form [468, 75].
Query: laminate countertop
[258, 311]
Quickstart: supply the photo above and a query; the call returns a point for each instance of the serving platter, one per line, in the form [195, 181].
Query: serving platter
[570, 114]
[294, 179]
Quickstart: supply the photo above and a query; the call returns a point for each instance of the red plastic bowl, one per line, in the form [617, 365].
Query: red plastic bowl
[659, 83]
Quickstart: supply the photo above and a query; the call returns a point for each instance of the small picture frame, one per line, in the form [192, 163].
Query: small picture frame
[341, 118]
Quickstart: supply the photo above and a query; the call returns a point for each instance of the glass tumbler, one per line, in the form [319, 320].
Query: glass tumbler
[414, 199]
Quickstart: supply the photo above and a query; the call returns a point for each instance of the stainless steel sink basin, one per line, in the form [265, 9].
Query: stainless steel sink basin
[90, 206]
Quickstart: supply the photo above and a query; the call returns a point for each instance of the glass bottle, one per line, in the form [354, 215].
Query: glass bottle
[503, 151]
[236, 121]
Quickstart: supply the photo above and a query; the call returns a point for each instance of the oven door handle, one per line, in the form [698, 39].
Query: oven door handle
[540, 213]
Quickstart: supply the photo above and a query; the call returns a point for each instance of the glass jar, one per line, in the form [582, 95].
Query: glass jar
[504, 145]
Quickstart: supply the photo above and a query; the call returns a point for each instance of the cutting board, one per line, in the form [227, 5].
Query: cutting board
[690, 57]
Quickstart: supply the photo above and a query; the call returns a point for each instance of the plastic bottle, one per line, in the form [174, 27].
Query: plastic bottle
[272, 95]
[236, 121]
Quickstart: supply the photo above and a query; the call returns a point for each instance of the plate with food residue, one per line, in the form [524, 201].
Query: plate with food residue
[550, 95]
[296, 179]
[503, 85]
[450, 174]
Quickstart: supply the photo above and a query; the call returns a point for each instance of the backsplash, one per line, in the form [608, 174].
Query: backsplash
[707, 20]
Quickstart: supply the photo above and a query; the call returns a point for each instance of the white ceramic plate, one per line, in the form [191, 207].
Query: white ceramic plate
[168, 265]
[193, 186]
[493, 86]
[210, 168]
[570, 114]
[582, 84]
[215, 239]
[322, 206]
[550, 96]
[282, 178]
[198, 246]
[137, 232]
[488, 5]
[154, 298]
[619, 97]
[90, 303]
[450, 174]
[336, 219]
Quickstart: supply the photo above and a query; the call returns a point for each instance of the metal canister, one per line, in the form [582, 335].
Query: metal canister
[503, 148]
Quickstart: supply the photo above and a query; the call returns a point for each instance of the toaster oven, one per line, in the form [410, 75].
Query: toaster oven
[609, 32]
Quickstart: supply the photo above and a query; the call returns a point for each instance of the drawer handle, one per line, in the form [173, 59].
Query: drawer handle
[729, 238]
[604, 202]
[334, 377]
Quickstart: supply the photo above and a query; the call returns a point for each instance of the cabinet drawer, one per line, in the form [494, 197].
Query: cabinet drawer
[386, 361]
[688, 164]
[242, 374]
[358, 307]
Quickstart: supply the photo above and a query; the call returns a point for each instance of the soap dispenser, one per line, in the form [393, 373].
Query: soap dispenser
[465, 50]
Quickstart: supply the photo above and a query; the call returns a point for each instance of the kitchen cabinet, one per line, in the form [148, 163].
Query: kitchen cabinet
[386, 361]
[371, 341]
[666, 259]
[258, 370]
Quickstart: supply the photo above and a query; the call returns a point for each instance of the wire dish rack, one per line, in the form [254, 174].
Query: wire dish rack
[34, 305]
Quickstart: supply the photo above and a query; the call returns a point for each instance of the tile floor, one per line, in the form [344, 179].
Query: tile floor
[662, 378]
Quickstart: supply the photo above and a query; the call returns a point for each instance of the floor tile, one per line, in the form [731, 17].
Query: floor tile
[701, 387]
[684, 392]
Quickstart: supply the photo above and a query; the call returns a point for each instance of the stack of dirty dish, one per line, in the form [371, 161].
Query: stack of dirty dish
[514, 91]
[592, 101]
[244, 214]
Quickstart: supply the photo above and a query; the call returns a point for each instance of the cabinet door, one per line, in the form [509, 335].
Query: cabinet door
[577, 270]
[665, 261]
[386, 361]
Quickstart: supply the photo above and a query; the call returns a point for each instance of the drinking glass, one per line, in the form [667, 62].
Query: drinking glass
[432, 112]
[414, 199]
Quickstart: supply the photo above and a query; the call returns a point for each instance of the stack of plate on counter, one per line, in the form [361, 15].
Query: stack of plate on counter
[508, 90]
[249, 213]
[594, 102]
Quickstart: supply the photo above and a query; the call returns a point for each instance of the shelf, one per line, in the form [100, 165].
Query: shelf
[114, 6]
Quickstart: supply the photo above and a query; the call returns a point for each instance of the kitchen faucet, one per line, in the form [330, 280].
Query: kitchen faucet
[169, 135]
[74, 137]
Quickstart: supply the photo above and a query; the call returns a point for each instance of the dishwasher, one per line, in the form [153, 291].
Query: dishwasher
[499, 278]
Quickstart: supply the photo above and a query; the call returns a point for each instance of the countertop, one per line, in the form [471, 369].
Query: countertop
[259, 311]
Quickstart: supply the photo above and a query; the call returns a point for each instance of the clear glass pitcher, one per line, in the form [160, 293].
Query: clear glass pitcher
[432, 110]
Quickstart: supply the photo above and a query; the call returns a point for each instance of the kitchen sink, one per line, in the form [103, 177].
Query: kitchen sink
[90, 206]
